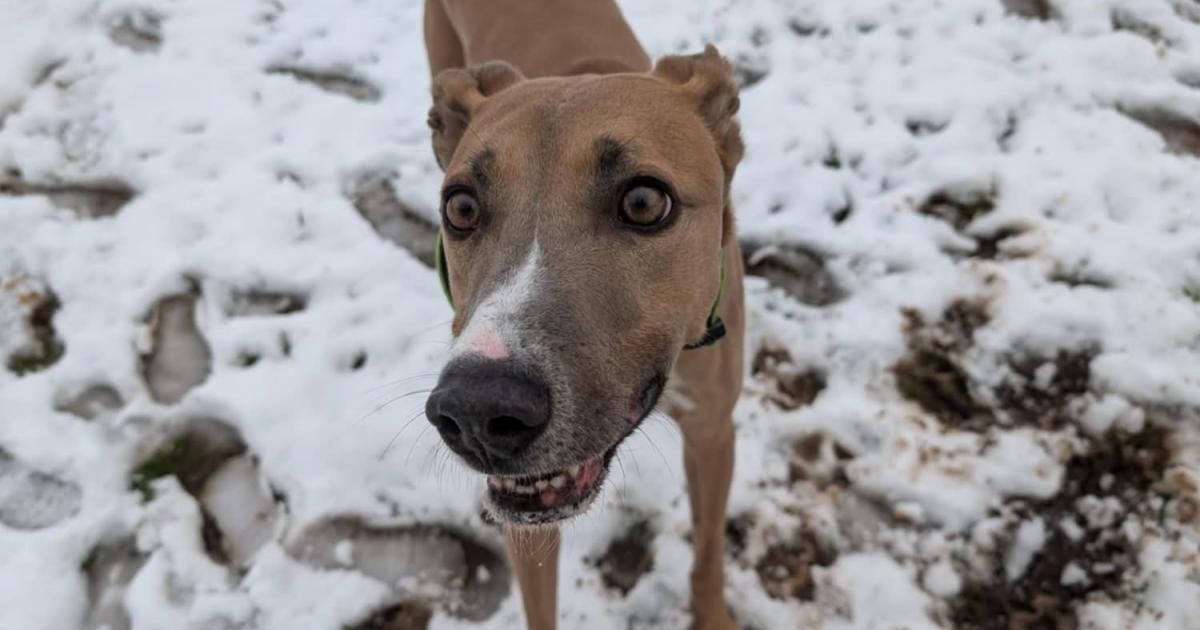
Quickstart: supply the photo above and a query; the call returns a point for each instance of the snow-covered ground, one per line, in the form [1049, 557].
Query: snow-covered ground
[974, 337]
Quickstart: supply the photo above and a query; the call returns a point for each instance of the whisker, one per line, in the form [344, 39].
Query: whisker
[385, 404]
[413, 446]
[402, 381]
[398, 433]
[653, 444]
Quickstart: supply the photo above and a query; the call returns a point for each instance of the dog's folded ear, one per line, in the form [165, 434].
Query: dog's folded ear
[457, 93]
[708, 78]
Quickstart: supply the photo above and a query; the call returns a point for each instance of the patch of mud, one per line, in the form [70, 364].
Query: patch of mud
[109, 569]
[28, 340]
[435, 564]
[27, 332]
[1087, 554]
[412, 614]
[139, 30]
[627, 558]
[1042, 389]
[991, 246]
[790, 388]
[1031, 9]
[1180, 132]
[959, 207]
[93, 402]
[795, 269]
[820, 459]
[88, 200]
[179, 358]
[931, 374]
[785, 570]
[375, 199]
[334, 81]
[31, 499]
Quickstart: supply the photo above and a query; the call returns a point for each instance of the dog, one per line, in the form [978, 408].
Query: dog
[587, 246]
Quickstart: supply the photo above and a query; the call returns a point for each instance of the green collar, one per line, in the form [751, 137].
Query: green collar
[714, 328]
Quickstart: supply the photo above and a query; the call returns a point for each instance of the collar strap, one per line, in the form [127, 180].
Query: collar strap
[714, 328]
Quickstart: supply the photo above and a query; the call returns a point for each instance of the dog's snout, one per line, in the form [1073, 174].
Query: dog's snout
[489, 412]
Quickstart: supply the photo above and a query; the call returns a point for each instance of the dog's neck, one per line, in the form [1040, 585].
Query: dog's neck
[547, 37]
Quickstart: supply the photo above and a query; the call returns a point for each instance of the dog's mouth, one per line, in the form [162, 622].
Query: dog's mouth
[541, 499]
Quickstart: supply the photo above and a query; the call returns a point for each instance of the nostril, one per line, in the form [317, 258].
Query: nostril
[446, 424]
[506, 426]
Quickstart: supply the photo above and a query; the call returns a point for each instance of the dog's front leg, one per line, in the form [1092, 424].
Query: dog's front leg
[533, 553]
[708, 445]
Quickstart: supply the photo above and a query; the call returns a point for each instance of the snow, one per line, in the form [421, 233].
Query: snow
[1027, 542]
[240, 165]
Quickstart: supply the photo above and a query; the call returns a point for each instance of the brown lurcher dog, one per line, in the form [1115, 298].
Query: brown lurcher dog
[587, 236]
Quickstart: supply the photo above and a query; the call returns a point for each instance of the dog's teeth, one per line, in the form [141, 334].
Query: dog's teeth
[541, 484]
[573, 471]
[558, 482]
[509, 484]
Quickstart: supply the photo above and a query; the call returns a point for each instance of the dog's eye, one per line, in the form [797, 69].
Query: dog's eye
[645, 205]
[462, 211]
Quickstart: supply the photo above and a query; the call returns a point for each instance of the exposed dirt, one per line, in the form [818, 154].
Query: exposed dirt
[793, 388]
[1032, 401]
[958, 208]
[412, 614]
[785, 571]
[931, 375]
[45, 348]
[627, 558]
[990, 246]
[1092, 562]
[820, 459]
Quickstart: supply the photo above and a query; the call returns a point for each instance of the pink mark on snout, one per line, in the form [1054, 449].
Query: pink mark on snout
[487, 341]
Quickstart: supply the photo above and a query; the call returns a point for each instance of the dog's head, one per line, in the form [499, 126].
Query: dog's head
[583, 221]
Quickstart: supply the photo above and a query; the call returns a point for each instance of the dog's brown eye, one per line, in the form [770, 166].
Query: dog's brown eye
[645, 205]
[462, 211]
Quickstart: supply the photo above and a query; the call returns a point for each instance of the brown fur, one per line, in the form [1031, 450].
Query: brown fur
[614, 305]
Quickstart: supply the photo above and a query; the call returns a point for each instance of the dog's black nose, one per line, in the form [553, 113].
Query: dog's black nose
[488, 411]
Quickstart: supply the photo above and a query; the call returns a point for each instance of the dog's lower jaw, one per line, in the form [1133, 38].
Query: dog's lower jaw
[547, 499]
